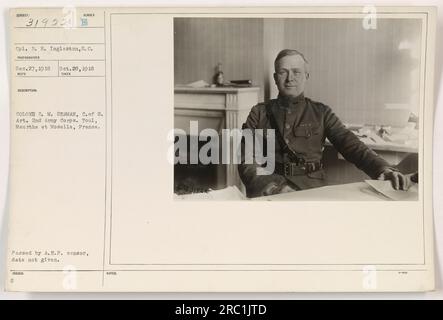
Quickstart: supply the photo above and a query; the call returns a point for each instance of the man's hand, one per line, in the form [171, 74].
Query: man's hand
[399, 181]
[286, 189]
[273, 188]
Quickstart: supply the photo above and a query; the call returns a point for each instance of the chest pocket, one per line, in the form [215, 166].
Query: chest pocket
[308, 138]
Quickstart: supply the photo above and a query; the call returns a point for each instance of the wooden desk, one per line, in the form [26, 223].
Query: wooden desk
[216, 108]
[404, 156]
[339, 171]
[358, 191]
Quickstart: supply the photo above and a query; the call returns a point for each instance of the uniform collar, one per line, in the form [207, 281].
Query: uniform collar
[290, 101]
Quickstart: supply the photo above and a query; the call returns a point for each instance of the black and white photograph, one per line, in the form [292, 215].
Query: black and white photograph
[297, 108]
[260, 150]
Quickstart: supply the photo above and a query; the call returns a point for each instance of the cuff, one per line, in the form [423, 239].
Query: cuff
[382, 170]
[259, 183]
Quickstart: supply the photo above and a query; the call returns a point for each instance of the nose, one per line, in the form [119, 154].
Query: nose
[291, 76]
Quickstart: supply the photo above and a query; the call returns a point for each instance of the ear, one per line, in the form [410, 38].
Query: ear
[307, 75]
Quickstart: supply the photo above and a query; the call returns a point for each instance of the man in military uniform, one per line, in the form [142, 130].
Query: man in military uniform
[301, 127]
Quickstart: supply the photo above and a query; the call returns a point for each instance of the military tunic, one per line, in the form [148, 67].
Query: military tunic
[304, 125]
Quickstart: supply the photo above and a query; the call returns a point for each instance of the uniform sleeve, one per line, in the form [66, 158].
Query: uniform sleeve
[352, 149]
[255, 184]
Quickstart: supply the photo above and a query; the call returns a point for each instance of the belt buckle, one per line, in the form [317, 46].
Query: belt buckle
[289, 168]
[313, 166]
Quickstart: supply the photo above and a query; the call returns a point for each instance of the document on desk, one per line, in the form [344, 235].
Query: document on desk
[91, 193]
[385, 188]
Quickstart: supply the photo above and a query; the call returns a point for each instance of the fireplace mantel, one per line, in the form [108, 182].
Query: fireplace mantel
[216, 108]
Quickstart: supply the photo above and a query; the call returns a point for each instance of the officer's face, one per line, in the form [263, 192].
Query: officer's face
[290, 75]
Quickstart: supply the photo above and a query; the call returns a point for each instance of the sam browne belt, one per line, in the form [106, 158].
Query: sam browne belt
[297, 168]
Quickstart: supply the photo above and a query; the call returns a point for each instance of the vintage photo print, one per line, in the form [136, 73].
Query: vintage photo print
[133, 127]
[297, 108]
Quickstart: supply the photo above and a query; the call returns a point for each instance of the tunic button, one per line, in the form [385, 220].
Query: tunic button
[289, 111]
[288, 126]
[287, 140]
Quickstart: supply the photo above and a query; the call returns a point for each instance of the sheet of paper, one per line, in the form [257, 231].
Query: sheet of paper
[385, 188]
[91, 199]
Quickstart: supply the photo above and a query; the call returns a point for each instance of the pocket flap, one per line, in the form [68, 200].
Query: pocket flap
[306, 130]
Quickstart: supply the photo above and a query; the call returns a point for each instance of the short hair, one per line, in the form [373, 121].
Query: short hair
[290, 52]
